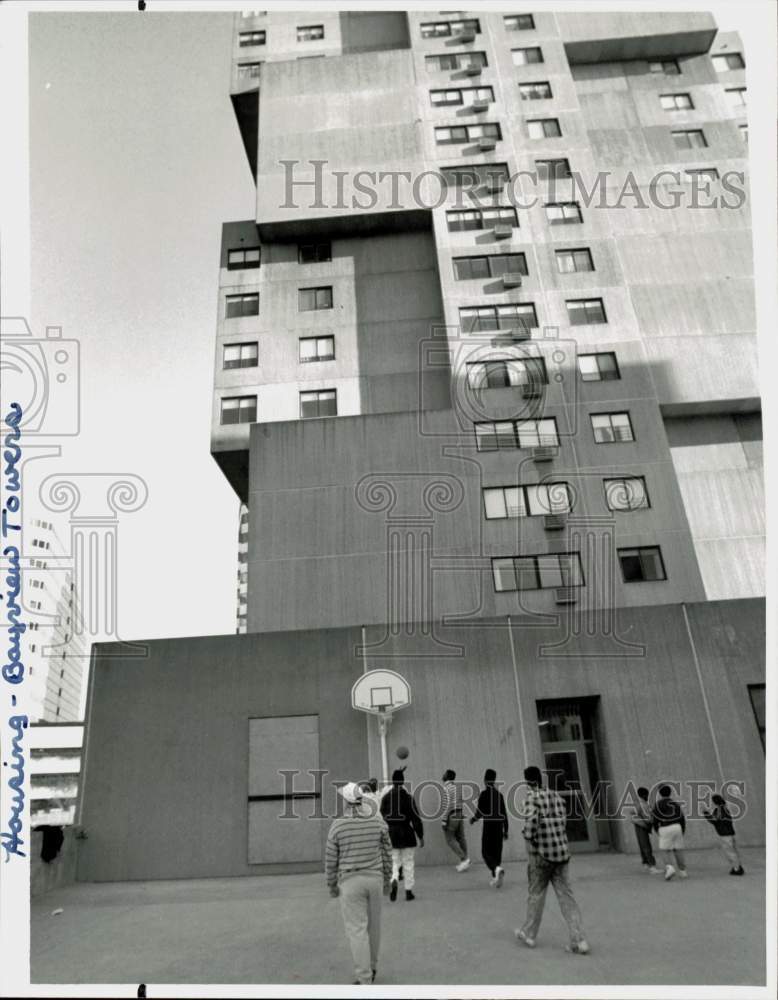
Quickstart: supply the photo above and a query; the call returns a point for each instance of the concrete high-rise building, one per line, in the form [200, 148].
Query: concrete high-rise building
[486, 382]
[600, 342]
[57, 657]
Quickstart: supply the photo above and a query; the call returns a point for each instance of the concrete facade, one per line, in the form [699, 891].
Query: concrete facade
[506, 440]
[186, 768]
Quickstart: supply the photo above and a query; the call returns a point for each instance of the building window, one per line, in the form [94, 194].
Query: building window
[460, 95]
[544, 128]
[240, 355]
[643, 564]
[626, 493]
[239, 410]
[314, 253]
[553, 169]
[676, 102]
[493, 175]
[489, 266]
[693, 138]
[519, 22]
[443, 29]
[527, 56]
[453, 134]
[601, 367]
[310, 33]
[322, 403]
[501, 373]
[756, 694]
[562, 569]
[248, 71]
[242, 305]
[744, 133]
[581, 312]
[726, 61]
[317, 349]
[456, 60]
[239, 260]
[470, 219]
[527, 501]
[569, 261]
[540, 91]
[248, 38]
[494, 435]
[668, 67]
[736, 97]
[562, 213]
[706, 173]
[311, 299]
[612, 427]
[506, 317]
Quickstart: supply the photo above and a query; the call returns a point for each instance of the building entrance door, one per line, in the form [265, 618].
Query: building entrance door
[567, 739]
[568, 774]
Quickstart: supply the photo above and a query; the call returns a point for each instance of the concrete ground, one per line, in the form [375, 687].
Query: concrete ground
[708, 929]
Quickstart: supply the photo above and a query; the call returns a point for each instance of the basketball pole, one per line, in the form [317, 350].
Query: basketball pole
[383, 725]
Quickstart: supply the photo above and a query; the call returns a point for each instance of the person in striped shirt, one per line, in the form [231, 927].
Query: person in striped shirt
[453, 819]
[548, 860]
[358, 865]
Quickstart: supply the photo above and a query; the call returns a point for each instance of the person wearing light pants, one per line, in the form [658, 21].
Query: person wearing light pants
[358, 866]
[720, 819]
[453, 819]
[405, 831]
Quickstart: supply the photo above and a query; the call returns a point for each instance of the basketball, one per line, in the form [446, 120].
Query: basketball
[402, 752]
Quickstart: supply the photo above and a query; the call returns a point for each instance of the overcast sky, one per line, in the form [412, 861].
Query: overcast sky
[136, 160]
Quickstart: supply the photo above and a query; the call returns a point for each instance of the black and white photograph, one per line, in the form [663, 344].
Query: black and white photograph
[385, 585]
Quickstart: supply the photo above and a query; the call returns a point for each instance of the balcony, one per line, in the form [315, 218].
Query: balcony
[532, 390]
[462, 37]
[565, 595]
[472, 70]
[503, 231]
[480, 104]
[511, 279]
[486, 143]
[554, 522]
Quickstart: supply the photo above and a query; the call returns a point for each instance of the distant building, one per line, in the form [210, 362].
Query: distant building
[55, 771]
[243, 546]
[57, 655]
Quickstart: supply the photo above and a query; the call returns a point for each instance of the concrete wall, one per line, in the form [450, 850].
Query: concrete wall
[61, 871]
[319, 547]
[165, 797]
[718, 461]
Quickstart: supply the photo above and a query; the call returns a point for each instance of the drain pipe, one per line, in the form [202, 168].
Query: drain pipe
[518, 692]
[702, 691]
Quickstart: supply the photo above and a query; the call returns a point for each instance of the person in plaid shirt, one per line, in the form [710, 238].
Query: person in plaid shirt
[548, 858]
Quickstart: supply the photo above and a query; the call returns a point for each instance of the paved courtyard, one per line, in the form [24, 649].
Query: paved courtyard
[708, 929]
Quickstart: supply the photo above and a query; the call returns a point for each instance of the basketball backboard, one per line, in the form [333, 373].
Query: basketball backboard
[380, 691]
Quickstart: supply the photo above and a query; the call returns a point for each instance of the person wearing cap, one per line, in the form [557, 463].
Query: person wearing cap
[358, 866]
[405, 826]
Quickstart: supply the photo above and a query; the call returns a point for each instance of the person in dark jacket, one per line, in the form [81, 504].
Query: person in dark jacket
[405, 831]
[670, 823]
[720, 819]
[491, 809]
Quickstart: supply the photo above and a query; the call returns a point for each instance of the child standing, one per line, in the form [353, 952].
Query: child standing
[670, 822]
[405, 831]
[721, 820]
[643, 823]
[491, 809]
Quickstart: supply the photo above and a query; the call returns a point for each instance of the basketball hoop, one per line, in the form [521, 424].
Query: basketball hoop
[381, 693]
